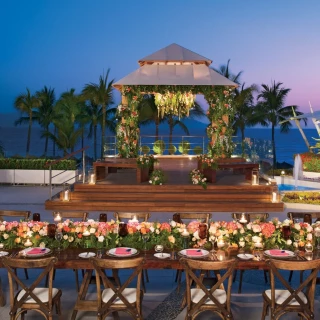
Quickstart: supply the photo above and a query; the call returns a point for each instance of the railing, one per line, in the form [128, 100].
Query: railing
[66, 157]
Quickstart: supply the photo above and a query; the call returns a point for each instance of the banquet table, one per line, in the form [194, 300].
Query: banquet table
[69, 259]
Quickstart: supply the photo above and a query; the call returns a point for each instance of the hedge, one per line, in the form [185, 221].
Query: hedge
[36, 164]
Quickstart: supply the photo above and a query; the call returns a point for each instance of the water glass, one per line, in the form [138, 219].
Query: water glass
[123, 230]
[145, 238]
[317, 235]
[58, 237]
[309, 247]
[286, 231]
[159, 248]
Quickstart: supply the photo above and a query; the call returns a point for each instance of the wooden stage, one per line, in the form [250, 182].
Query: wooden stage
[121, 192]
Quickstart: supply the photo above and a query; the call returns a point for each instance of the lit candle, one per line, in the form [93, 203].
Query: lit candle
[66, 195]
[92, 178]
[185, 233]
[86, 233]
[243, 218]
[221, 255]
[282, 173]
[220, 243]
[28, 243]
[57, 217]
[274, 197]
[80, 176]
[254, 179]
[134, 219]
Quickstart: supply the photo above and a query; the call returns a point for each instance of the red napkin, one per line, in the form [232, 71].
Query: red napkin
[277, 252]
[122, 251]
[35, 251]
[194, 253]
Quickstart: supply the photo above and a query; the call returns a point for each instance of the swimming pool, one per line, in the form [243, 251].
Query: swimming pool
[291, 187]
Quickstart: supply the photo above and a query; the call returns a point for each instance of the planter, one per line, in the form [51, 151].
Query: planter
[311, 175]
[145, 174]
[210, 174]
[19, 176]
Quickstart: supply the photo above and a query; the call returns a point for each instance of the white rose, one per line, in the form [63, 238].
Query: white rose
[286, 222]
[242, 244]
[100, 238]
[152, 229]
[42, 245]
[297, 226]
[2, 227]
[309, 228]
[173, 223]
[256, 239]
[42, 232]
[78, 229]
[92, 230]
[309, 236]
[256, 228]
[65, 237]
[235, 231]
[289, 242]
[157, 231]
[249, 226]
[194, 239]
[242, 231]
[138, 227]
[70, 239]
[196, 235]
[5, 236]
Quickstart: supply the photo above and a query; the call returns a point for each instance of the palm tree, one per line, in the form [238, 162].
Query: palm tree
[225, 71]
[46, 113]
[271, 110]
[100, 94]
[26, 104]
[244, 110]
[1, 150]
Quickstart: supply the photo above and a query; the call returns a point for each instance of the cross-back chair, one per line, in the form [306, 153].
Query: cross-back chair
[181, 217]
[215, 299]
[113, 299]
[31, 296]
[250, 216]
[119, 216]
[83, 216]
[298, 299]
[301, 215]
[16, 214]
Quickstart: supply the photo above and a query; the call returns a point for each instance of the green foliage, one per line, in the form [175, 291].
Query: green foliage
[172, 149]
[159, 147]
[145, 149]
[157, 177]
[36, 164]
[197, 150]
[184, 147]
[310, 161]
[302, 197]
[277, 172]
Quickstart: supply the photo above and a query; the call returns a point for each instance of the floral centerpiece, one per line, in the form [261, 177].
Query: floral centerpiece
[206, 161]
[157, 177]
[198, 178]
[146, 161]
[301, 232]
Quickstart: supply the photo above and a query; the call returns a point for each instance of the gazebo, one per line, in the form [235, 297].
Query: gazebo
[175, 75]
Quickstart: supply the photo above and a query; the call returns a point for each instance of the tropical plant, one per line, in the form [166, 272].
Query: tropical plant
[184, 147]
[145, 149]
[45, 114]
[270, 109]
[198, 178]
[225, 71]
[197, 150]
[26, 103]
[157, 177]
[172, 149]
[146, 161]
[101, 94]
[159, 147]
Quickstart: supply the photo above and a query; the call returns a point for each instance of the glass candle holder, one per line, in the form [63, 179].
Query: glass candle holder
[307, 218]
[286, 232]
[123, 230]
[36, 216]
[51, 230]
[203, 228]
[309, 247]
[103, 217]
[255, 177]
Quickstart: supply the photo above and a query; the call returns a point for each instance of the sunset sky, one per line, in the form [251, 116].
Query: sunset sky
[66, 44]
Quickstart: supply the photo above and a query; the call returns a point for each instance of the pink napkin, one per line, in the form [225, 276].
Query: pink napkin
[122, 251]
[194, 253]
[35, 251]
[277, 252]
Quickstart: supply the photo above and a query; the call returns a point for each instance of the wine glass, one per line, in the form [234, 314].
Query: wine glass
[213, 240]
[159, 248]
[145, 238]
[296, 239]
[58, 237]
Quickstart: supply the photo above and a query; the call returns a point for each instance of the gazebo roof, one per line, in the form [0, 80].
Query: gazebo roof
[175, 65]
[174, 54]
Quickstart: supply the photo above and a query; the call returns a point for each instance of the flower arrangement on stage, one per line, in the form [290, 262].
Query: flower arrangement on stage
[146, 161]
[157, 177]
[198, 178]
[207, 162]
[256, 234]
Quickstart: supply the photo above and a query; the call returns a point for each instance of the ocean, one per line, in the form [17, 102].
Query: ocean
[14, 139]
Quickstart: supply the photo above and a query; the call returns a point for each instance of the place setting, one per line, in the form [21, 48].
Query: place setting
[159, 252]
[122, 252]
[35, 252]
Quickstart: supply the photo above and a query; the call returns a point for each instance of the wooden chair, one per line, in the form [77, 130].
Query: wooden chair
[300, 215]
[215, 299]
[21, 215]
[31, 296]
[113, 299]
[83, 216]
[144, 216]
[119, 216]
[203, 216]
[250, 216]
[299, 299]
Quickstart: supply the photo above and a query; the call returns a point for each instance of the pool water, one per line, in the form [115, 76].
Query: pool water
[291, 187]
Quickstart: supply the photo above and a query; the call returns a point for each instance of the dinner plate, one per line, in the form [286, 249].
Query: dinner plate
[87, 255]
[3, 253]
[123, 252]
[245, 256]
[279, 254]
[35, 252]
[194, 253]
[162, 255]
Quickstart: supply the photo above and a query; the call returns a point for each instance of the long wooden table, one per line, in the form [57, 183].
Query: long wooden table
[69, 259]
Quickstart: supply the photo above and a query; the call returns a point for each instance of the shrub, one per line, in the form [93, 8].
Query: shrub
[159, 147]
[184, 147]
[145, 149]
[310, 161]
[36, 164]
[302, 197]
[172, 149]
[197, 150]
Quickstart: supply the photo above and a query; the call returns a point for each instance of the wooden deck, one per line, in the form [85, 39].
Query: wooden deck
[121, 192]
